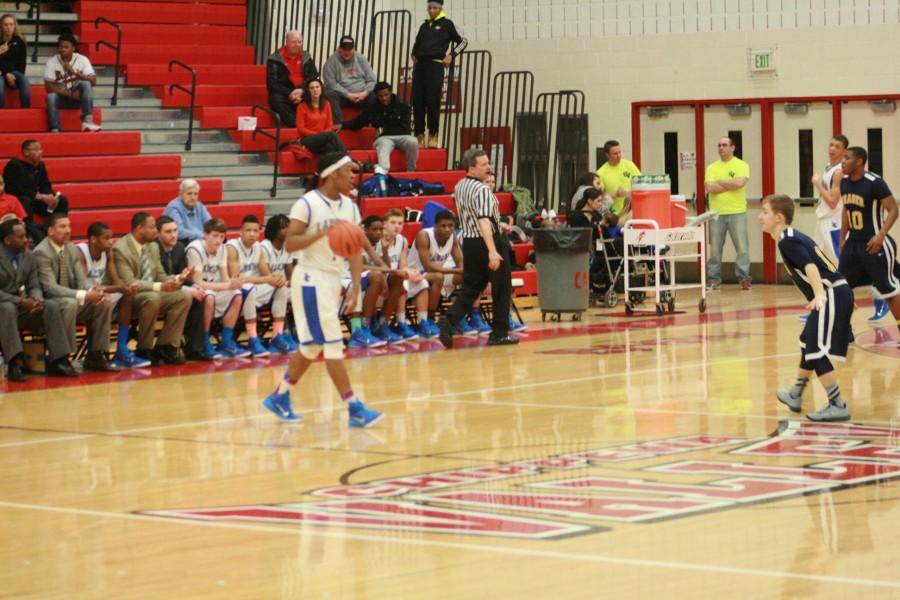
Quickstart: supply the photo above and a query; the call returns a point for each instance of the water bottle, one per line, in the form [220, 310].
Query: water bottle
[382, 191]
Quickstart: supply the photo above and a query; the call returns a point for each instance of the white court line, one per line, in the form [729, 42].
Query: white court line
[479, 391]
[531, 553]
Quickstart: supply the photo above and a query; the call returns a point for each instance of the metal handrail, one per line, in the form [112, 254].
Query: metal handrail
[117, 48]
[277, 138]
[191, 92]
[32, 4]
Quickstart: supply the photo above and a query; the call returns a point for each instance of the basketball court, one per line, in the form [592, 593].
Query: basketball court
[609, 458]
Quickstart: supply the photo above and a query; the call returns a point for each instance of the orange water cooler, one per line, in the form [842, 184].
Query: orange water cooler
[651, 199]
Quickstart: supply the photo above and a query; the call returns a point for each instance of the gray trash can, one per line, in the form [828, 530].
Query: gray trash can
[563, 259]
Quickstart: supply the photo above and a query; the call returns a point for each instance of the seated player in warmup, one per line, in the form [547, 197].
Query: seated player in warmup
[403, 282]
[373, 284]
[224, 297]
[316, 287]
[438, 257]
[868, 254]
[247, 260]
[281, 263]
[96, 258]
[826, 333]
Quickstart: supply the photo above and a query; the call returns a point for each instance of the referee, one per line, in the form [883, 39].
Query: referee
[485, 253]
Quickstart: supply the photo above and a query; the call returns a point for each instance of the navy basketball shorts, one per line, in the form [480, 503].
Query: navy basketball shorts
[827, 330]
[880, 270]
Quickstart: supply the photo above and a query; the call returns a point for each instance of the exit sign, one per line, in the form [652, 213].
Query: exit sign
[762, 60]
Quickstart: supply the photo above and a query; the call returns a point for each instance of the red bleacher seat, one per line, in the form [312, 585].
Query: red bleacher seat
[148, 34]
[352, 140]
[215, 95]
[158, 74]
[429, 160]
[379, 206]
[151, 53]
[141, 11]
[529, 283]
[111, 168]
[410, 230]
[119, 220]
[225, 117]
[35, 119]
[75, 144]
[138, 193]
[522, 251]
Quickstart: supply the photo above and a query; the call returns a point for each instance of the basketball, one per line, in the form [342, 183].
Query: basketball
[346, 239]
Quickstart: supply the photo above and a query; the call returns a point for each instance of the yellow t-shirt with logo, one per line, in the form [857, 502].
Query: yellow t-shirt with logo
[612, 178]
[732, 202]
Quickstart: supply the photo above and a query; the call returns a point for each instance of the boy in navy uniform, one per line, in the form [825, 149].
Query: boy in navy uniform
[868, 253]
[826, 333]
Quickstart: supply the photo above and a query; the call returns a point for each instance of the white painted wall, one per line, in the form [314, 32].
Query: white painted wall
[621, 51]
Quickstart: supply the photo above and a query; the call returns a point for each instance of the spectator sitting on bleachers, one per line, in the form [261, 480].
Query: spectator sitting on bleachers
[287, 70]
[188, 212]
[22, 304]
[63, 277]
[281, 262]
[315, 126]
[158, 294]
[587, 181]
[173, 260]
[69, 78]
[349, 79]
[99, 266]
[223, 300]
[26, 179]
[13, 52]
[9, 204]
[391, 116]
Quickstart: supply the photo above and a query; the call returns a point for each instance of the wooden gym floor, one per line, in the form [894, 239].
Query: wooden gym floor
[612, 458]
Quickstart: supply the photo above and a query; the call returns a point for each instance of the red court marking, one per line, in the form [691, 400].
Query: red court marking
[37, 382]
[880, 340]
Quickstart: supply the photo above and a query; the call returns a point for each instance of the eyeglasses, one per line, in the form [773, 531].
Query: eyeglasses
[724, 145]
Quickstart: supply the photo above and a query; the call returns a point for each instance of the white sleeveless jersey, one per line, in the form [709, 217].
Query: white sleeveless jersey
[96, 269]
[318, 212]
[822, 209]
[212, 267]
[248, 260]
[397, 247]
[437, 253]
[278, 259]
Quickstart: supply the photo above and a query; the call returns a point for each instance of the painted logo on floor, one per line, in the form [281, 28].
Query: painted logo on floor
[543, 499]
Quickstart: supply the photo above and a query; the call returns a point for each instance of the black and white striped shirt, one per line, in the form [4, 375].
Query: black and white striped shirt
[474, 200]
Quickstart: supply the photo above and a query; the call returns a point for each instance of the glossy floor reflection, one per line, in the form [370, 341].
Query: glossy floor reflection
[619, 458]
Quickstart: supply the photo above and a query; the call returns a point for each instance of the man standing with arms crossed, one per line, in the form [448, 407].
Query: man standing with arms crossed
[485, 253]
[726, 184]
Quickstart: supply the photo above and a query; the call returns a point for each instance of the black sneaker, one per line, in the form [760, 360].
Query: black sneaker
[506, 340]
[445, 332]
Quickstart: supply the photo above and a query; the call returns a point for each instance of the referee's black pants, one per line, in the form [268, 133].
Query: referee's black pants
[427, 85]
[476, 276]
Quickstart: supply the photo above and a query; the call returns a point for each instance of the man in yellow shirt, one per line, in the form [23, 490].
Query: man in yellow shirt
[726, 185]
[615, 178]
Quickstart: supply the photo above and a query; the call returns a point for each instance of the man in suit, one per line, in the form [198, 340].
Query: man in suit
[174, 261]
[137, 262]
[18, 271]
[62, 277]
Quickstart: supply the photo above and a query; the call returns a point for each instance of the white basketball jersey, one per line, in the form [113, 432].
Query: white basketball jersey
[822, 209]
[248, 260]
[96, 269]
[439, 254]
[278, 259]
[212, 267]
[397, 247]
[319, 212]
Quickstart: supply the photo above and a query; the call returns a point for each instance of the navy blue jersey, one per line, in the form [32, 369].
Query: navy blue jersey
[862, 201]
[798, 250]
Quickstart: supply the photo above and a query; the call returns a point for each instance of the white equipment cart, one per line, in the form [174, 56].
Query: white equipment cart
[663, 247]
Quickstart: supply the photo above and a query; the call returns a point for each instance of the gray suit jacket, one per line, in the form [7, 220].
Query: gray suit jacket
[48, 269]
[12, 280]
